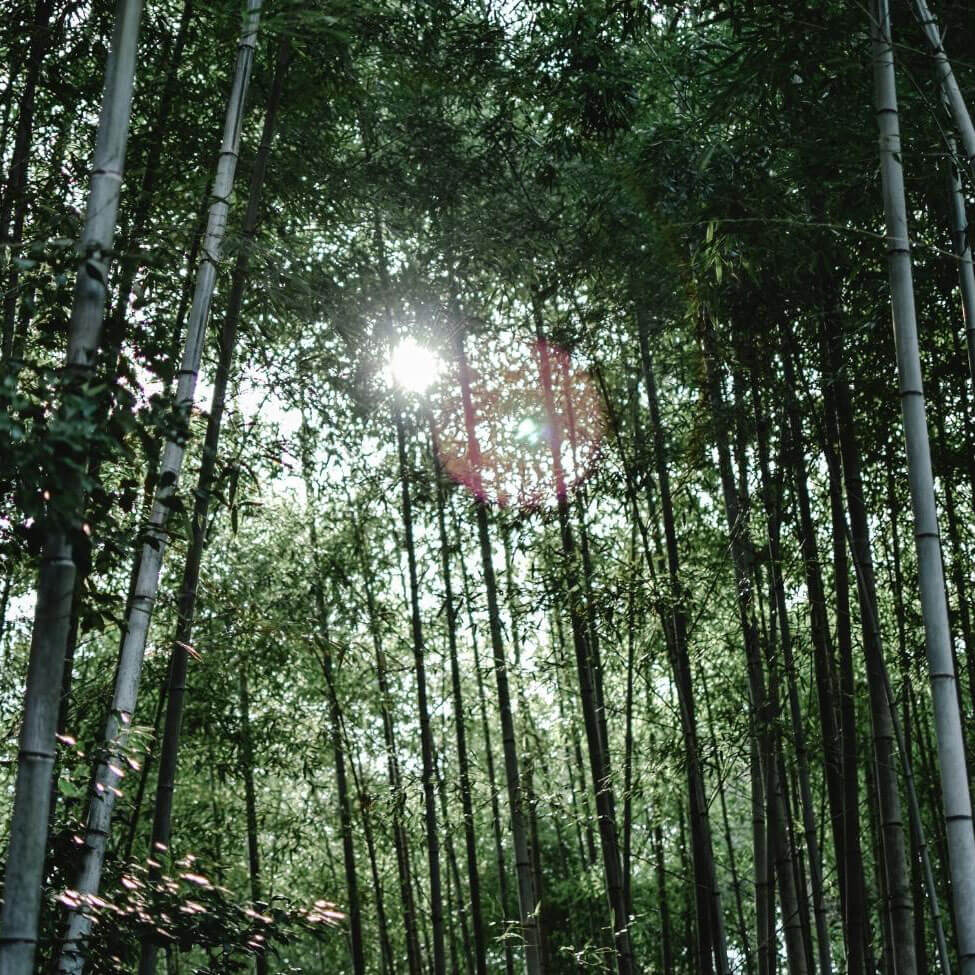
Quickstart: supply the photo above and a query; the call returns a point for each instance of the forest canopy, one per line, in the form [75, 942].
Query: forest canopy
[487, 486]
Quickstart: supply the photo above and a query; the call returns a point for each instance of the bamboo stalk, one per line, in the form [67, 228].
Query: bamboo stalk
[108, 774]
[949, 84]
[951, 749]
[23, 876]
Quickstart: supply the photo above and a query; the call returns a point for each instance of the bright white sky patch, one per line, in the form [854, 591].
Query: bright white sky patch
[413, 367]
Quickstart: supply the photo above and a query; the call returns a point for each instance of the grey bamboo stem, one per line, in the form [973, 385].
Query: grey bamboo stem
[951, 753]
[398, 796]
[837, 442]
[949, 84]
[961, 243]
[23, 877]
[189, 587]
[766, 799]
[423, 707]
[108, 775]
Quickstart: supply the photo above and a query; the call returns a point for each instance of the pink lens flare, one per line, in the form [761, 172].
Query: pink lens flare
[536, 420]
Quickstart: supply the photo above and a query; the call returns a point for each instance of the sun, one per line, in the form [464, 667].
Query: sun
[413, 367]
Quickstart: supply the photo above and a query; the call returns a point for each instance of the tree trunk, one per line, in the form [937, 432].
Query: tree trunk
[764, 894]
[820, 633]
[463, 766]
[13, 208]
[773, 508]
[416, 631]
[334, 711]
[666, 939]
[927, 762]
[453, 910]
[387, 963]
[710, 916]
[743, 560]
[921, 871]
[729, 843]
[426, 740]
[795, 913]
[23, 875]
[107, 777]
[587, 668]
[459, 911]
[8, 581]
[189, 588]
[628, 737]
[147, 760]
[581, 808]
[962, 246]
[819, 627]
[528, 905]
[951, 749]
[400, 841]
[529, 737]
[114, 332]
[488, 757]
[15, 64]
[342, 794]
[949, 85]
[154, 155]
[858, 938]
[962, 617]
[592, 630]
[898, 907]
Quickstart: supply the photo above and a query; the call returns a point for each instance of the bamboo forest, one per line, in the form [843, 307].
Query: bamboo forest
[487, 486]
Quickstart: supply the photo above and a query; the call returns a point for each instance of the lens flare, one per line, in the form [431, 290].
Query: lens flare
[413, 367]
[536, 424]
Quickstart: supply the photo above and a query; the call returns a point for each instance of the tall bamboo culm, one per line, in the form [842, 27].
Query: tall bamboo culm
[111, 760]
[189, 587]
[529, 907]
[55, 586]
[951, 753]
[962, 246]
[949, 84]
[23, 876]
[954, 104]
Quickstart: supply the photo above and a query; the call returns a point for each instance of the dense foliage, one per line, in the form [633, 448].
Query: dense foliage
[539, 588]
